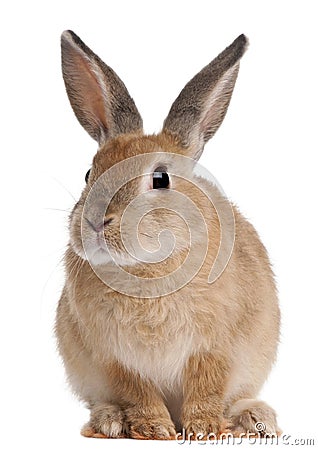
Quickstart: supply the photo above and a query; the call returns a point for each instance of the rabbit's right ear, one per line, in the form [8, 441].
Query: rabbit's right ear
[98, 97]
[202, 104]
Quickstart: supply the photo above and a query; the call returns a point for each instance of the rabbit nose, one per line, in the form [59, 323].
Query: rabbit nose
[98, 227]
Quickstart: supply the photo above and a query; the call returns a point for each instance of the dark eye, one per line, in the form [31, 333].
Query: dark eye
[87, 175]
[160, 179]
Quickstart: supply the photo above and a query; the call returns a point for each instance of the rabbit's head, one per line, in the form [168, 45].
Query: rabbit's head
[143, 204]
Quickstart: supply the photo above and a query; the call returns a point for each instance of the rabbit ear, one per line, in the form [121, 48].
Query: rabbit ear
[98, 97]
[201, 106]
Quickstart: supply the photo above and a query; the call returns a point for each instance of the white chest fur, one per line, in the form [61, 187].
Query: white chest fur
[150, 338]
[159, 359]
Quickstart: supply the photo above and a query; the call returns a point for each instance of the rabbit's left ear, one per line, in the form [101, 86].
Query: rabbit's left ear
[98, 97]
[201, 106]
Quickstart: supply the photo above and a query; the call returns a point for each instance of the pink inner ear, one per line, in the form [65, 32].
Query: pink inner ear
[86, 87]
[92, 91]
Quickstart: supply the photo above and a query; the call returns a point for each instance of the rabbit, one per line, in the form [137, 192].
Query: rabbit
[169, 317]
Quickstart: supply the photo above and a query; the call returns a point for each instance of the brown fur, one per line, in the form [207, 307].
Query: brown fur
[193, 358]
[204, 390]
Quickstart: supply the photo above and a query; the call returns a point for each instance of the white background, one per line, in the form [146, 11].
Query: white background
[264, 156]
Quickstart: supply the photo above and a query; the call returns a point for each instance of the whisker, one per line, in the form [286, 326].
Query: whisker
[76, 267]
[60, 262]
[59, 209]
[65, 188]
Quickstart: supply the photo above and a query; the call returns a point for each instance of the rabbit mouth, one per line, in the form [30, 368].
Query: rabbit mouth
[99, 257]
[98, 251]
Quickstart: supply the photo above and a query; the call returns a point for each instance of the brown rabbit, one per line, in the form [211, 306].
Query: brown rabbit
[169, 316]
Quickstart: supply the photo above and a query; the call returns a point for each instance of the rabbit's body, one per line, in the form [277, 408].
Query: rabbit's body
[197, 352]
[155, 337]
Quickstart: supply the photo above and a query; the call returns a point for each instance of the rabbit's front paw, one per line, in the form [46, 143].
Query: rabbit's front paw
[154, 428]
[143, 425]
[106, 421]
[204, 424]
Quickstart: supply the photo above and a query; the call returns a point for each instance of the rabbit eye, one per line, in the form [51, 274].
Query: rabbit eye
[160, 179]
[87, 175]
